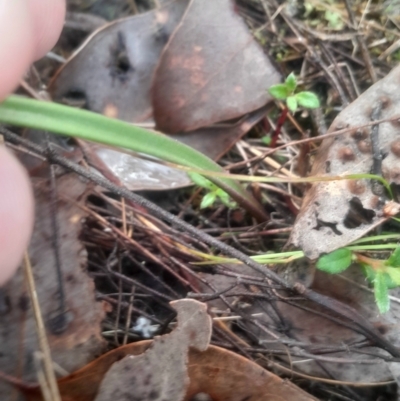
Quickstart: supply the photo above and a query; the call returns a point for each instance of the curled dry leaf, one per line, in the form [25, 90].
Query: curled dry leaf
[78, 341]
[221, 374]
[211, 70]
[160, 373]
[336, 213]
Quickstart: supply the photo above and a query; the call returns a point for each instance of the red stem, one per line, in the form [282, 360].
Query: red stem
[279, 124]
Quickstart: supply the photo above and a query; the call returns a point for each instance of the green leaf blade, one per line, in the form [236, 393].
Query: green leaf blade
[308, 100]
[381, 293]
[291, 103]
[291, 82]
[279, 91]
[394, 259]
[201, 181]
[394, 273]
[208, 200]
[335, 262]
[64, 120]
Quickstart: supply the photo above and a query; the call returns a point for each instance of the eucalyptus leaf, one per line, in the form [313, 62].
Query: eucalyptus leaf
[335, 262]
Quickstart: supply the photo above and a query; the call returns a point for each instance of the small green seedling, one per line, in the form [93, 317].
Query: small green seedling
[287, 92]
[382, 274]
[214, 193]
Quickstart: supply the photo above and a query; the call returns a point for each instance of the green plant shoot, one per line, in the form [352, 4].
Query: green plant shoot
[287, 92]
[214, 193]
[381, 274]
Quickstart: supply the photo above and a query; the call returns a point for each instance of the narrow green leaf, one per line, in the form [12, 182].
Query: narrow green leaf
[291, 82]
[291, 103]
[394, 259]
[308, 100]
[208, 200]
[226, 199]
[201, 181]
[279, 91]
[336, 261]
[369, 272]
[65, 120]
[266, 140]
[381, 293]
[394, 273]
[370, 275]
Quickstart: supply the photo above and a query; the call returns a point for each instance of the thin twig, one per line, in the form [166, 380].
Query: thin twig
[41, 332]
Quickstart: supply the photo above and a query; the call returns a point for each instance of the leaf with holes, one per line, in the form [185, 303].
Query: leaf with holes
[336, 213]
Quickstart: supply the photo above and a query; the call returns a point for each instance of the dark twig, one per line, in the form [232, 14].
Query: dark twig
[361, 324]
[59, 322]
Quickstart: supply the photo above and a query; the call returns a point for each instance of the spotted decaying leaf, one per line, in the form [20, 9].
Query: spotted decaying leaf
[211, 70]
[336, 213]
[111, 72]
[76, 341]
[114, 70]
[174, 367]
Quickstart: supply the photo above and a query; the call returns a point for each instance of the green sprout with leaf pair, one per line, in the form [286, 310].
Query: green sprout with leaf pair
[383, 274]
[293, 99]
[214, 193]
[287, 92]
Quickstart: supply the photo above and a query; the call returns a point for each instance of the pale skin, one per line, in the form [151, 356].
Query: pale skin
[28, 29]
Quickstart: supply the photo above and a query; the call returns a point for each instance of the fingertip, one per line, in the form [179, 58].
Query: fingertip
[16, 213]
[48, 17]
[17, 47]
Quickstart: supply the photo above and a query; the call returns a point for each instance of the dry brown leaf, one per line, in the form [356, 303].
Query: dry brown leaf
[111, 72]
[211, 70]
[334, 214]
[123, 55]
[160, 373]
[222, 374]
[317, 330]
[80, 341]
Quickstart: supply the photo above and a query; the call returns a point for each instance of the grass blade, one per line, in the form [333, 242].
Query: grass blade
[83, 124]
